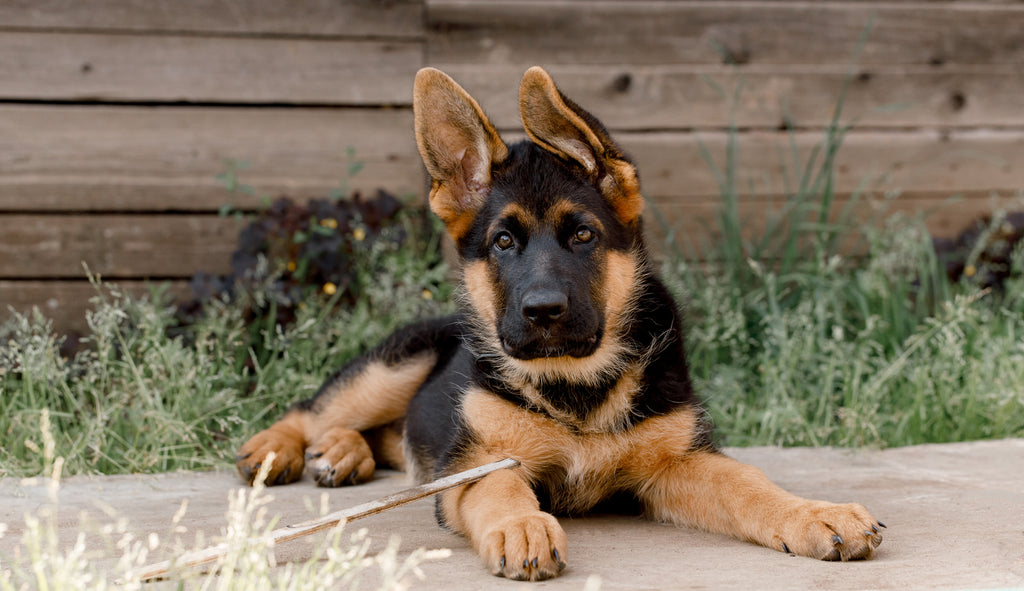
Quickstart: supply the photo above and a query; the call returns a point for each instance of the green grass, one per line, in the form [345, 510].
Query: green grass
[137, 400]
[794, 341]
[791, 342]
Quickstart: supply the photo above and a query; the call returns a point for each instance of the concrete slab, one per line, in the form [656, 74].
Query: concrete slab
[955, 514]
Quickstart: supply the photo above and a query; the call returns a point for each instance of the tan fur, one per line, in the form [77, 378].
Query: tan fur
[553, 125]
[458, 145]
[287, 439]
[376, 399]
[517, 212]
[657, 461]
[479, 291]
[377, 395]
[339, 455]
[620, 275]
[614, 413]
[502, 519]
[387, 445]
[503, 507]
[599, 461]
[611, 416]
[716, 493]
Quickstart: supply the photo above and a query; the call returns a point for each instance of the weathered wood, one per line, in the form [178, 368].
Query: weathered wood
[95, 67]
[158, 159]
[66, 302]
[362, 18]
[633, 97]
[140, 159]
[695, 225]
[666, 32]
[115, 246]
[970, 163]
[291, 532]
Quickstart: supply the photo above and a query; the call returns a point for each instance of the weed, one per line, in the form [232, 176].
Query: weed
[339, 560]
[147, 394]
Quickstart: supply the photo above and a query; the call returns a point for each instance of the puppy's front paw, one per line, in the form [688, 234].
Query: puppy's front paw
[340, 457]
[287, 463]
[530, 547]
[831, 532]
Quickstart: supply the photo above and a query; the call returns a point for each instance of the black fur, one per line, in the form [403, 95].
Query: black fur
[534, 179]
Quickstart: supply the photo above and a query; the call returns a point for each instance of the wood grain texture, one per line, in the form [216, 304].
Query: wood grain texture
[634, 97]
[66, 302]
[169, 68]
[674, 166]
[115, 246]
[362, 18]
[694, 226]
[155, 159]
[667, 32]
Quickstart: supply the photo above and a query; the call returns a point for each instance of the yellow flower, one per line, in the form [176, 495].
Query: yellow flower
[427, 294]
[330, 288]
[291, 265]
[329, 223]
[359, 234]
[969, 270]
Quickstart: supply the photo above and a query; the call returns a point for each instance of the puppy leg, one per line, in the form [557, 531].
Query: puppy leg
[710, 491]
[501, 517]
[286, 439]
[323, 433]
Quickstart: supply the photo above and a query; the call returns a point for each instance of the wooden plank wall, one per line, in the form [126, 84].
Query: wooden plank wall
[116, 116]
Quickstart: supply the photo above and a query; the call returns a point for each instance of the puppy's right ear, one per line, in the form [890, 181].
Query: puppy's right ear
[458, 145]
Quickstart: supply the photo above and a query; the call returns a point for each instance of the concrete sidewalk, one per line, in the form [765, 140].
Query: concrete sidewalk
[955, 514]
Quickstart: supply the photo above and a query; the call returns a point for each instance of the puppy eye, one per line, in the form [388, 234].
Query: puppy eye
[503, 241]
[584, 234]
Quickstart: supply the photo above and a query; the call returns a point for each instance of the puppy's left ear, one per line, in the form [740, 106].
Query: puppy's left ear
[561, 127]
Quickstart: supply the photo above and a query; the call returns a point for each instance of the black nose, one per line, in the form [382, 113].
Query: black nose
[541, 306]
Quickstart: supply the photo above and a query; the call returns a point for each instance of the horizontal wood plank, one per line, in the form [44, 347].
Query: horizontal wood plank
[634, 97]
[665, 32]
[674, 166]
[65, 303]
[694, 226]
[157, 159]
[394, 18]
[146, 68]
[115, 246]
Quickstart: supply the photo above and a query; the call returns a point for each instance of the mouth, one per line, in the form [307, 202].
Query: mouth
[546, 348]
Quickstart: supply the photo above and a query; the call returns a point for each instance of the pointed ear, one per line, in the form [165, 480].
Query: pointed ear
[561, 127]
[458, 145]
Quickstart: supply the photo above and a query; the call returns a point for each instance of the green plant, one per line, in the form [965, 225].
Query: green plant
[146, 393]
[825, 329]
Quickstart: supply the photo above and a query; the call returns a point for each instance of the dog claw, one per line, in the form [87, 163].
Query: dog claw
[882, 524]
[313, 456]
[838, 541]
[785, 548]
[501, 563]
[352, 477]
[534, 563]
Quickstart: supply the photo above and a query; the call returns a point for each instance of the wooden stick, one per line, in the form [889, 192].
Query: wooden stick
[298, 530]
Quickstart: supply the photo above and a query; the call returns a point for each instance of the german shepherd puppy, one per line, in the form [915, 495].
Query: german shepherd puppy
[567, 356]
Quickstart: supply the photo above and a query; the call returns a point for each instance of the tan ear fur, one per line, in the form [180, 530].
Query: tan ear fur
[561, 127]
[458, 145]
